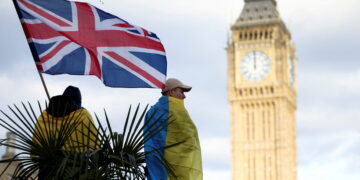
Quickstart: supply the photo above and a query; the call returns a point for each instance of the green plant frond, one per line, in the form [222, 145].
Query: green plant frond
[9, 161]
[27, 125]
[157, 129]
[25, 170]
[30, 119]
[22, 147]
[152, 123]
[88, 139]
[137, 133]
[67, 148]
[126, 125]
[168, 167]
[47, 133]
[165, 147]
[37, 133]
[156, 125]
[131, 125]
[109, 126]
[14, 127]
[33, 112]
[67, 127]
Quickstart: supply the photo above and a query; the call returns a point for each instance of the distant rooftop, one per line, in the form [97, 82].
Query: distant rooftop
[258, 12]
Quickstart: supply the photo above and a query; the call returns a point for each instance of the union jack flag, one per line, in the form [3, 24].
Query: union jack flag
[68, 37]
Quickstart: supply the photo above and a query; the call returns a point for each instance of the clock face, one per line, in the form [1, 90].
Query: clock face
[291, 71]
[255, 66]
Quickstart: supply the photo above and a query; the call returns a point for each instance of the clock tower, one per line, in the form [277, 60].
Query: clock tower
[262, 94]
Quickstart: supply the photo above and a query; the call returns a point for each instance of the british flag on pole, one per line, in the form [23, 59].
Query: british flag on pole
[69, 37]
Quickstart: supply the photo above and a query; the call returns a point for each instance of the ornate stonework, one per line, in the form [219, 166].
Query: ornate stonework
[262, 94]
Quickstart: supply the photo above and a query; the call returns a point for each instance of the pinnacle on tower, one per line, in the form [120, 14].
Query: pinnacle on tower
[273, 1]
[258, 12]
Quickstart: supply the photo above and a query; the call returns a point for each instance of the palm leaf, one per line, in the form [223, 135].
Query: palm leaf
[115, 155]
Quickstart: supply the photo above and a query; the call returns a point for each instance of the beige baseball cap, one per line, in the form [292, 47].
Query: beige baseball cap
[173, 83]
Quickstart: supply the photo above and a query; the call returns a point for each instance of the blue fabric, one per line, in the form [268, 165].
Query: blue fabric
[156, 171]
[110, 76]
[70, 41]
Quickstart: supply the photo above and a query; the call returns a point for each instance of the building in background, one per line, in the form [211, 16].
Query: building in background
[262, 94]
[9, 153]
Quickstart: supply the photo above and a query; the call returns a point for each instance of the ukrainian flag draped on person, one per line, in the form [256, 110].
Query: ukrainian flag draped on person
[184, 158]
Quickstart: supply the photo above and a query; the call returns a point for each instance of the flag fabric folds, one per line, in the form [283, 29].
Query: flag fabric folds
[67, 37]
[185, 158]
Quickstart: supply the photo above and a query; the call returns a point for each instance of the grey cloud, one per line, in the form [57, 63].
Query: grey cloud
[333, 156]
[195, 48]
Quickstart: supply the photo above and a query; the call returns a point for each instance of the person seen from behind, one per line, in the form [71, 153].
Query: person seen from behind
[66, 109]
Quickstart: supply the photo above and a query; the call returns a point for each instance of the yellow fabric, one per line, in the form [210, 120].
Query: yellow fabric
[185, 158]
[79, 138]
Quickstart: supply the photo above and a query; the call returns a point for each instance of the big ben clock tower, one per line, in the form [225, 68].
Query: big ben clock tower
[262, 94]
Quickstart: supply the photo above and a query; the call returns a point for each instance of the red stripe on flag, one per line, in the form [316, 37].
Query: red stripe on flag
[44, 14]
[54, 51]
[95, 68]
[124, 25]
[135, 68]
[116, 38]
[146, 33]
[39, 67]
[104, 38]
[39, 31]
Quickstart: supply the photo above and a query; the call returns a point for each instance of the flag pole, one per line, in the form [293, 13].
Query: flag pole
[44, 85]
[32, 52]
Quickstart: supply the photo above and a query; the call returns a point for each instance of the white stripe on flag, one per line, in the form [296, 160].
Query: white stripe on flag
[87, 62]
[130, 70]
[125, 53]
[59, 55]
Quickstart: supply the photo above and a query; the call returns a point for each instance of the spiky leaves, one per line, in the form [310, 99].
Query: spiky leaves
[71, 149]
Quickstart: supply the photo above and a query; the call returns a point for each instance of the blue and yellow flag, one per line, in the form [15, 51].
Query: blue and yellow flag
[185, 158]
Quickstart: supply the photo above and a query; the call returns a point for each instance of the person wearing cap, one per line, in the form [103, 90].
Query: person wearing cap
[184, 158]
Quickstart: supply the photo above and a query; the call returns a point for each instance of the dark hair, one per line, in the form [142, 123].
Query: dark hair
[74, 94]
[60, 106]
[164, 93]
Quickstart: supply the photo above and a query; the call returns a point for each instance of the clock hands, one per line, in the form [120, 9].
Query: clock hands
[254, 60]
[255, 66]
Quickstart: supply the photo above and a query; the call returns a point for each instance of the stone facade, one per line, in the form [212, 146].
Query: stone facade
[262, 95]
[9, 153]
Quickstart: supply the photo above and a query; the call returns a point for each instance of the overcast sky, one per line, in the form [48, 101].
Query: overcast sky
[194, 33]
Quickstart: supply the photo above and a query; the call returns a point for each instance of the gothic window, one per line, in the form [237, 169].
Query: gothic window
[252, 130]
[247, 126]
[264, 124]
